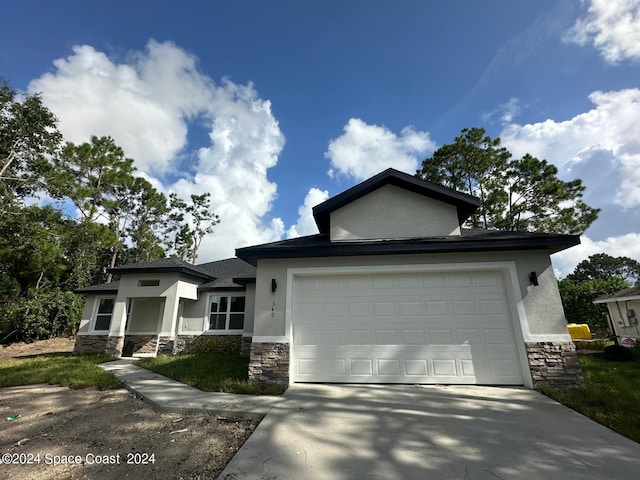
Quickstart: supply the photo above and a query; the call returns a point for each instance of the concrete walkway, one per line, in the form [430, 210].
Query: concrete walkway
[171, 395]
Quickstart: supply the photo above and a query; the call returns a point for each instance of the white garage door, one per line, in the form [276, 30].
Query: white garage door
[424, 327]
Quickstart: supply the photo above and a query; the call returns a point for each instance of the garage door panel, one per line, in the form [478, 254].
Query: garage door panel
[404, 328]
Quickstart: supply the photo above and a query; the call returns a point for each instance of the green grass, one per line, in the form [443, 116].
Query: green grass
[210, 372]
[611, 395]
[75, 371]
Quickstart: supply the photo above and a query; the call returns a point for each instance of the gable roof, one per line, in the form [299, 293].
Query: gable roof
[470, 240]
[632, 293]
[464, 203]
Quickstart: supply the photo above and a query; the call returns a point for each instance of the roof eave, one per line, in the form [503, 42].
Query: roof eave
[552, 245]
[180, 270]
[617, 299]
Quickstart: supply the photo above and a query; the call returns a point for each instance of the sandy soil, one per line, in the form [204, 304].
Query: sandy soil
[65, 434]
[52, 345]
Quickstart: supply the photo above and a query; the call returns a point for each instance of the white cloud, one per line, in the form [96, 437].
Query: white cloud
[148, 103]
[612, 26]
[608, 133]
[306, 224]
[600, 146]
[506, 112]
[621, 246]
[364, 150]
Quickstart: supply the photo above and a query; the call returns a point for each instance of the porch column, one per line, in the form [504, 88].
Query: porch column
[115, 342]
[166, 336]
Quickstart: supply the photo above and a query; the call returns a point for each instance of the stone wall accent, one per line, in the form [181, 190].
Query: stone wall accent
[114, 346]
[554, 364]
[166, 345]
[245, 346]
[269, 363]
[90, 344]
[143, 343]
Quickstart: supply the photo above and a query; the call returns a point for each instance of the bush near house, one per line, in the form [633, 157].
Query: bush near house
[52, 313]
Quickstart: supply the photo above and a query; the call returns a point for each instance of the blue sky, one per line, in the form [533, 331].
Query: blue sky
[273, 106]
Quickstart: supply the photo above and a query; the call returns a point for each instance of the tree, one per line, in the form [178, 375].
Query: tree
[190, 223]
[472, 164]
[98, 179]
[516, 195]
[34, 248]
[28, 133]
[147, 215]
[603, 266]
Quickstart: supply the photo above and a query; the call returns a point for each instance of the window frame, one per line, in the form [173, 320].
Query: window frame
[228, 313]
[97, 313]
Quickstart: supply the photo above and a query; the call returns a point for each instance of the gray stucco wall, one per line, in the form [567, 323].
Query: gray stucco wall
[145, 315]
[541, 303]
[384, 213]
[194, 315]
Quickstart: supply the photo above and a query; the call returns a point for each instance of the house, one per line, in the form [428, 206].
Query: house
[391, 290]
[159, 307]
[624, 311]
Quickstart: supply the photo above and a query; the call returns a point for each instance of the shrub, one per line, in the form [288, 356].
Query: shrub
[213, 344]
[53, 313]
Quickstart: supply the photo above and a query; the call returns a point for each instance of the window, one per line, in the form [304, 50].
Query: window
[104, 313]
[148, 283]
[226, 313]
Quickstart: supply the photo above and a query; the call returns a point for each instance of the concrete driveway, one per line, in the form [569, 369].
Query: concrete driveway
[432, 432]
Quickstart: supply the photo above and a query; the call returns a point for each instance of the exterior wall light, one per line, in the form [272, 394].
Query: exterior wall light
[533, 278]
[274, 285]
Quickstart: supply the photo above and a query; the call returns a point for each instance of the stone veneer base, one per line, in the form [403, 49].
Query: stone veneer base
[554, 364]
[143, 343]
[90, 344]
[245, 346]
[114, 346]
[269, 363]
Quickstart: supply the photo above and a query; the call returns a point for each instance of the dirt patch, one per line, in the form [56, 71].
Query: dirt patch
[108, 435]
[53, 345]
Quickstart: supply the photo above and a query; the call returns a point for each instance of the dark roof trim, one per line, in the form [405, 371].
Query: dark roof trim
[164, 265]
[320, 246]
[245, 280]
[104, 288]
[181, 270]
[239, 288]
[465, 204]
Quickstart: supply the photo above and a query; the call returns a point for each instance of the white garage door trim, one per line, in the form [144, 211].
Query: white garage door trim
[508, 269]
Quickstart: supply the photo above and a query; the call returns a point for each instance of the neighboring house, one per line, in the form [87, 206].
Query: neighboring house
[624, 312]
[392, 290]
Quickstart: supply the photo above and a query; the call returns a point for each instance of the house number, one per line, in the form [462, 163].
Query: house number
[273, 310]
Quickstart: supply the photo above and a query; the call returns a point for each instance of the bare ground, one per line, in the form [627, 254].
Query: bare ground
[106, 435]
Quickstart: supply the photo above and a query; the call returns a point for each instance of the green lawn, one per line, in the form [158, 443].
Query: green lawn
[75, 371]
[210, 372]
[611, 395]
